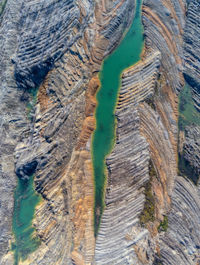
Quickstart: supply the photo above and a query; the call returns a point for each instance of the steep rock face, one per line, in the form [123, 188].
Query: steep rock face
[191, 49]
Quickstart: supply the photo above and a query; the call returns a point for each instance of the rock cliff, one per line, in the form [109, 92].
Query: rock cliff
[50, 56]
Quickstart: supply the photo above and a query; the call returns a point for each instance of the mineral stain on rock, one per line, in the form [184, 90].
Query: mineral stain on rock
[126, 54]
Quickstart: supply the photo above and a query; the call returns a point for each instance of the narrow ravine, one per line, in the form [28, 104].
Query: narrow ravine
[126, 54]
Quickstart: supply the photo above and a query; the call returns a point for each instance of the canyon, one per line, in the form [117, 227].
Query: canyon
[51, 54]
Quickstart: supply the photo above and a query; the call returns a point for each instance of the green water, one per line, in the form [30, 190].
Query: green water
[33, 93]
[188, 116]
[126, 54]
[2, 6]
[25, 199]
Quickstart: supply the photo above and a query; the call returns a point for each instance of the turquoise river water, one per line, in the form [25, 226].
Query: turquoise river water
[125, 55]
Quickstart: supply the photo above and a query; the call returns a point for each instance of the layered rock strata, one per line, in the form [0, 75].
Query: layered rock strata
[59, 51]
[13, 123]
[191, 50]
[163, 27]
[153, 122]
[189, 153]
[181, 243]
[127, 176]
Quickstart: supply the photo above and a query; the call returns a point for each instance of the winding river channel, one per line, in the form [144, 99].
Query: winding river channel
[125, 55]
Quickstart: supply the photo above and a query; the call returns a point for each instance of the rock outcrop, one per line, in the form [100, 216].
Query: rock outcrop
[127, 166]
[181, 243]
[191, 50]
[147, 134]
[50, 56]
[57, 50]
[189, 152]
[13, 123]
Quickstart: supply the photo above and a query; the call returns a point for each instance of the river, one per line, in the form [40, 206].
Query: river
[125, 55]
[25, 199]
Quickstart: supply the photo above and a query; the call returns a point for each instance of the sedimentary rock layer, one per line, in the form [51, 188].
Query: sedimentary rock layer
[57, 47]
[12, 120]
[189, 153]
[181, 243]
[48, 30]
[138, 82]
[192, 49]
[120, 230]
[163, 27]
[59, 51]
[153, 122]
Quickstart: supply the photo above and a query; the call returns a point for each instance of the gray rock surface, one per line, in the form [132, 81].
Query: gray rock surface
[58, 47]
[192, 146]
[189, 156]
[192, 50]
[13, 122]
[55, 46]
[46, 32]
[181, 242]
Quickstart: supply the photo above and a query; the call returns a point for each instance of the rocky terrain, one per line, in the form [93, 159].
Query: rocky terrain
[52, 65]
[51, 53]
[143, 165]
[126, 178]
[191, 49]
[189, 153]
[180, 244]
